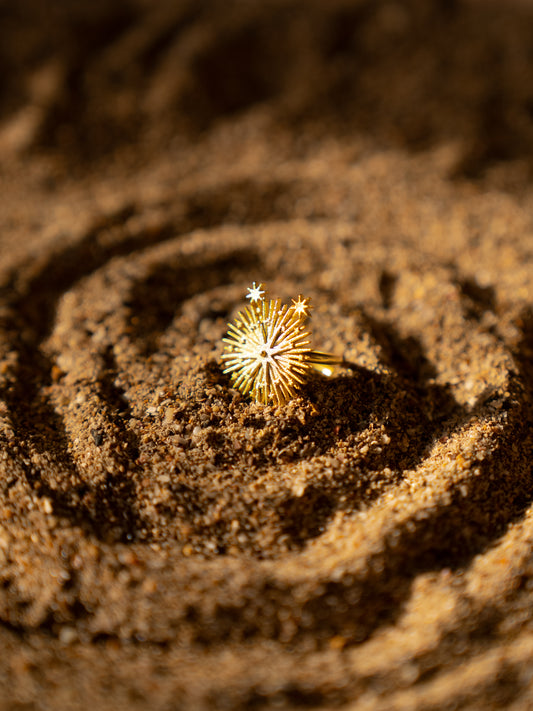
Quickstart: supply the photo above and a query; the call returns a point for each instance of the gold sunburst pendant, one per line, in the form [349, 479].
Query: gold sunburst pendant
[268, 351]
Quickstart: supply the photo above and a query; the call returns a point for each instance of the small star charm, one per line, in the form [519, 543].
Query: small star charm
[255, 293]
[301, 307]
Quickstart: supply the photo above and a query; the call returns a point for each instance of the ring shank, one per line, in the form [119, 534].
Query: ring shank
[324, 362]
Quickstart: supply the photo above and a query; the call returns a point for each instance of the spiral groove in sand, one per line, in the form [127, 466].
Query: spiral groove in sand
[367, 546]
[369, 491]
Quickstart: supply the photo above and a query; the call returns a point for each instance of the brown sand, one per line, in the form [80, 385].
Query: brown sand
[165, 543]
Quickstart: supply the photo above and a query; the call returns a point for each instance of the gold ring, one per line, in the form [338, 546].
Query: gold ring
[267, 351]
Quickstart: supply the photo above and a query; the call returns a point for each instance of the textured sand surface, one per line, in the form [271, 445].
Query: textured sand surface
[165, 543]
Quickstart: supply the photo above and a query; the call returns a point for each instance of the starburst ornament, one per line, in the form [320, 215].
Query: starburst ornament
[255, 293]
[268, 350]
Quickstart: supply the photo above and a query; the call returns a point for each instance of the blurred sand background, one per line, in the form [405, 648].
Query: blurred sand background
[166, 544]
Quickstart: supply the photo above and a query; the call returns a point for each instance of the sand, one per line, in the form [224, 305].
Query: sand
[166, 543]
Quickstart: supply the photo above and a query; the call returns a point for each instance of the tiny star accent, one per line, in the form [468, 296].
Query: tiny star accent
[268, 350]
[302, 306]
[255, 293]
